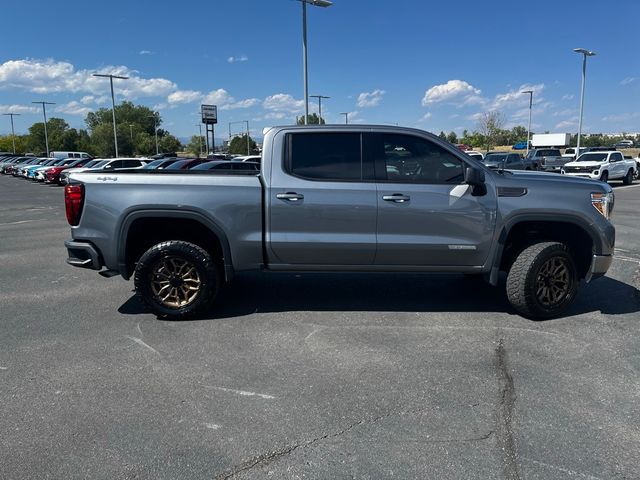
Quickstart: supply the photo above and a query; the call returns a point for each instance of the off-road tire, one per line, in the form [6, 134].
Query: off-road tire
[149, 275]
[525, 277]
[628, 178]
[604, 177]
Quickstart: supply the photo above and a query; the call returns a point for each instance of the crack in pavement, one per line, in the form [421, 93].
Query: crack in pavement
[504, 415]
[266, 458]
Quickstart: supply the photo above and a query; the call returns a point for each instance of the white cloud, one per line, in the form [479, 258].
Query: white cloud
[516, 97]
[145, 52]
[184, 96]
[218, 97]
[628, 80]
[475, 117]
[241, 58]
[621, 117]
[425, 117]
[49, 76]
[19, 109]
[370, 99]
[73, 108]
[275, 115]
[569, 123]
[283, 102]
[564, 113]
[568, 97]
[247, 103]
[448, 91]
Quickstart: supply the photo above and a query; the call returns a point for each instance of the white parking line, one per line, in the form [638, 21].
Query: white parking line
[242, 392]
[627, 186]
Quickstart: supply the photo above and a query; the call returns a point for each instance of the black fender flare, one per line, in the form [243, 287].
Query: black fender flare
[132, 216]
[591, 230]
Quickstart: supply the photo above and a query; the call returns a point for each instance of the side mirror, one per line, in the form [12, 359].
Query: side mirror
[109, 167]
[475, 177]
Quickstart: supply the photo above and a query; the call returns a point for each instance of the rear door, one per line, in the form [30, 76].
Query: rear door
[427, 216]
[322, 201]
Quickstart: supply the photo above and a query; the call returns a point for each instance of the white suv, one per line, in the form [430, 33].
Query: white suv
[602, 166]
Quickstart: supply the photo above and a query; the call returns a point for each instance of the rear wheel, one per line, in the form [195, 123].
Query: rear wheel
[543, 281]
[628, 178]
[177, 279]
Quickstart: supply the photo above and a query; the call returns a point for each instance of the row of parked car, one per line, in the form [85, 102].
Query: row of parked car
[57, 170]
[598, 163]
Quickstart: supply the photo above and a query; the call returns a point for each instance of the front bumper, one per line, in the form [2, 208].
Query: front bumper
[83, 255]
[599, 266]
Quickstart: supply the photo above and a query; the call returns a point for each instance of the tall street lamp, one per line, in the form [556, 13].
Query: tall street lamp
[13, 133]
[585, 53]
[155, 127]
[346, 117]
[200, 137]
[113, 104]
[44, 112]
[530, 92]
[319, 97]
[315, 3]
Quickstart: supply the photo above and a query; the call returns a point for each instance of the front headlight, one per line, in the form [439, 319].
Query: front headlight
[603, 203]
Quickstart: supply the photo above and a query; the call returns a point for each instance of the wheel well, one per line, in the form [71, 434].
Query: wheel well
[144, 233]
[525, 234]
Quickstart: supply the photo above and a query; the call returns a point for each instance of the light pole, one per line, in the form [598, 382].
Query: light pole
[131, 135]
[113, 104]
[346, 117]
[315, 3]
[155, 127]
[585, 53]
[44, 112]
[200, 137]
[13, 134]
[319, 97]
[530, 92]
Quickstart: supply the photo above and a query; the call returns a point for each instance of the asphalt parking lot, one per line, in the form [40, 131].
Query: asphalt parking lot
[309, 376]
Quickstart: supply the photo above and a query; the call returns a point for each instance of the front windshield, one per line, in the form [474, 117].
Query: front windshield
[153, 164]
[495, 157]
[592, 157]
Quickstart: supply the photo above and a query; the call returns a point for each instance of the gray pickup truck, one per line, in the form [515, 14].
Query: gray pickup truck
[342, 198]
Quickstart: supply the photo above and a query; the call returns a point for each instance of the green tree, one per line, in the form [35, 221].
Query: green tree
[56, 130]
[168, 143]
[196, 145]
[312, 119]
[6, 143]
[490, 126]
[238, 145]
[443, 135]
[452, 137]
[126, 113]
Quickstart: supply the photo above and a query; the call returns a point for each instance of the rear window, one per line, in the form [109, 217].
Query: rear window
[325, 156]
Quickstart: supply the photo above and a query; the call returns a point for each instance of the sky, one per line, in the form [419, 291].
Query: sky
[427, 64]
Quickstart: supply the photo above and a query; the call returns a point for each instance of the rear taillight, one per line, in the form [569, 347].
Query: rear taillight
[73, 202]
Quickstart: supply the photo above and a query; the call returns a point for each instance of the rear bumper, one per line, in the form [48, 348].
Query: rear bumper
[83, 255]
[599, 266]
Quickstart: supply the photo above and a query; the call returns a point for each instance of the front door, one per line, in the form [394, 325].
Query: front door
[322, 202]
[427, 216]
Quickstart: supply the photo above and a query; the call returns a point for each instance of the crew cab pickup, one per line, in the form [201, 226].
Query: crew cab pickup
[342, 198]
[548, 159]
[604, 166]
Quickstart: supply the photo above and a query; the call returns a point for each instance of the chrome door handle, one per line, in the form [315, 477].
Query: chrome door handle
[290, 196]
[396, 197]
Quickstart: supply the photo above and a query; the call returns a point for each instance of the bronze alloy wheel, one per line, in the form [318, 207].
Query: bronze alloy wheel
[553, 282]
[175, 282]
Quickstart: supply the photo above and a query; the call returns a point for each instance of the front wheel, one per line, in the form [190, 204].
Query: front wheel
[604, 177]
[177, 279]
[543, 281]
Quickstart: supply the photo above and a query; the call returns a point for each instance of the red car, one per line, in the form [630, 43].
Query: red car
[463, 146]
[52, 175]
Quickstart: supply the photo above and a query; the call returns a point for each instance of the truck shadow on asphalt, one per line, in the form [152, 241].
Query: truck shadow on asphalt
[328, 292]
